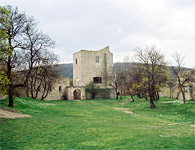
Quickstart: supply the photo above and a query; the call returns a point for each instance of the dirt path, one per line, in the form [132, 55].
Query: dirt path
[11, 114]
[3, 97]
[124, 102]
[126, 110]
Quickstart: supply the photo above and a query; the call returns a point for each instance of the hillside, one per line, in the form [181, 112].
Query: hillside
[66, 69]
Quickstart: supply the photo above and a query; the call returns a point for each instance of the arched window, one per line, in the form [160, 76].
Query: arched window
[76, 61]
[60, 88]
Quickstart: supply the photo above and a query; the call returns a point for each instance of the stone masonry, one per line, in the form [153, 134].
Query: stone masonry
[91, 66]
[94, 66]
[88, 66]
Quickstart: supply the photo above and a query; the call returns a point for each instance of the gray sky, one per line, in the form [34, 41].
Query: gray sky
[121, 24]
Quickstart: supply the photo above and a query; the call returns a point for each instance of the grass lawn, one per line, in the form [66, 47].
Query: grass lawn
[97, 124]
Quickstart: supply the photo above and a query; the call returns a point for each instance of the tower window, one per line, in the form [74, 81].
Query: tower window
[97, 59]
[97, 80]
[76, 61]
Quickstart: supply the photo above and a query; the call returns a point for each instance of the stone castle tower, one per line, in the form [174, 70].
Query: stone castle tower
[91, 66]
[95, 66]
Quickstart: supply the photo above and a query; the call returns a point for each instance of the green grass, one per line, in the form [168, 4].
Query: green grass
[95, 124]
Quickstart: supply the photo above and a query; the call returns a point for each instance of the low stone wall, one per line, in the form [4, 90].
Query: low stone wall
[80, 92]
[189, 95]
[56, 92]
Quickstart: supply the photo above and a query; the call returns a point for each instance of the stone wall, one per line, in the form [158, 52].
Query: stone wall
[189, 88]
[102, 94]
[189, 94]
[57, 91]
[91, 66]
[70, 90]
[86, 67]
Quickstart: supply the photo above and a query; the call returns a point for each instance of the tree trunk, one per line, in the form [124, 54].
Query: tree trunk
[183, 95]
[116, 89]
[156, 96]
[178, 94]
[116, 93]
[11, 99]
[132, 98]
[45, 89]
[152, 105]
[145, 96]
[121, 93]
[10, 93]
[27, 89]
[139, 95]
[47, 92]
[170, 92]
[31, 88]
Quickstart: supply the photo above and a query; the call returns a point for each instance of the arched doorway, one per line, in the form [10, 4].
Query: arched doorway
[77, 94]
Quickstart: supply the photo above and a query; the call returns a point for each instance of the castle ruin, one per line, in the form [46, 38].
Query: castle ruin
[91, 66]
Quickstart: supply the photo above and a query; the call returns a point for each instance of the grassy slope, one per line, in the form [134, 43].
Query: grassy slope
[94, 124]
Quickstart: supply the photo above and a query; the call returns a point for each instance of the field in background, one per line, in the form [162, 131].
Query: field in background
[99, 124]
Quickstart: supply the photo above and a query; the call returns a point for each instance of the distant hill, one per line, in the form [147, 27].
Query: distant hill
[67, 69]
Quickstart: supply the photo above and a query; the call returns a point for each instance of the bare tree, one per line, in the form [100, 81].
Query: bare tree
[35, 51]
[182, 76]
[152, 62]
[14, 28]
[125, 74]
[25, 48]
[115, 81]
[114, 84]
[42, 76]
[171, 85]
[136, 82]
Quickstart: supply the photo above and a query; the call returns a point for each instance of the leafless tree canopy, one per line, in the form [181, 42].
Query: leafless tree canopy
[182, 76]
[153, 68]
[27, 48]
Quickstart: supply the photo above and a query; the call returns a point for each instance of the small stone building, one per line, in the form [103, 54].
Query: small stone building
[57, 90]
[91, 66]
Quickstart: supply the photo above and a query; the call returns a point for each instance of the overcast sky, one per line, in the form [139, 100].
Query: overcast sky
[121, 24]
